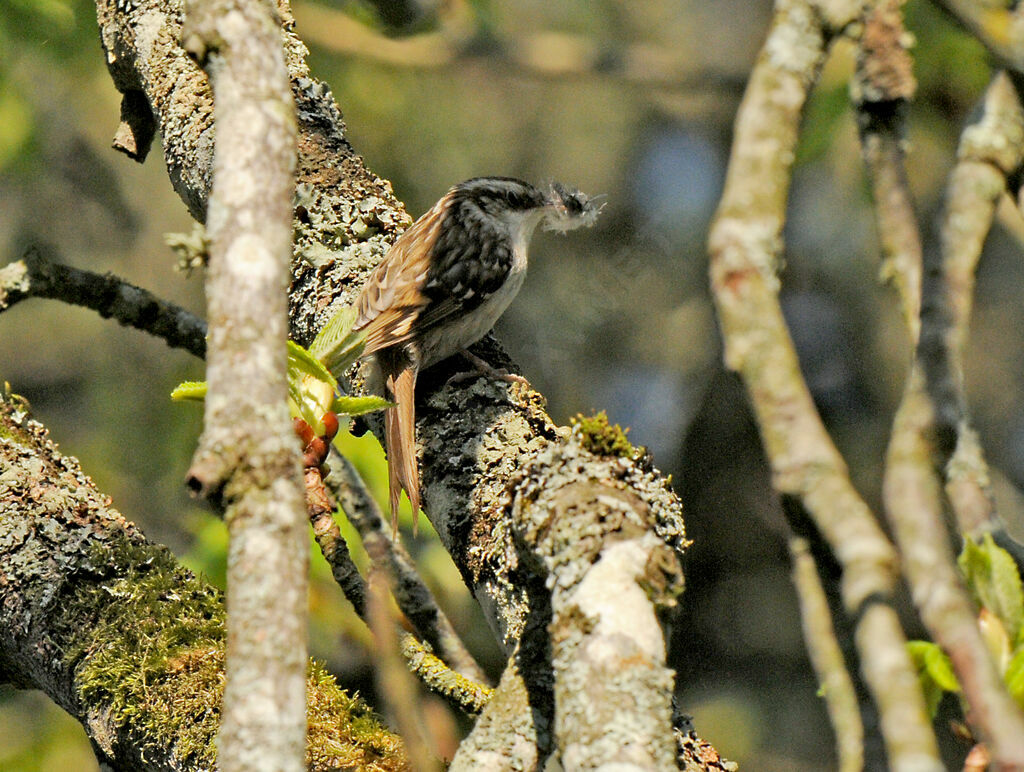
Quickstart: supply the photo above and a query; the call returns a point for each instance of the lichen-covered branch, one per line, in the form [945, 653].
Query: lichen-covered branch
[37, 276]
[114, 631]
[610, 573]
[882, 87]
[248, 456]
[476, 437]
[587, 679]
[745, 244]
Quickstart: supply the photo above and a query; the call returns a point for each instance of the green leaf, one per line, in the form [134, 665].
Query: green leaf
[301, 362]
[359, 405]
[194, 391]
[934, 671]
[1014, 676]
[336, 345]
[993, 578]
[938, 666]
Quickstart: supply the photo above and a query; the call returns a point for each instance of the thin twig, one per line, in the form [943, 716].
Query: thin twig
[396, 684]
[412, 595]
[827, 658]
[745, 242]
[911, 490]
[464, 693]
[991, 151]
[882, 86]
[332, 544]
[931, 421]
[35, 275]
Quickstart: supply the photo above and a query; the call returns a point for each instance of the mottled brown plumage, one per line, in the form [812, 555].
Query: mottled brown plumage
[443, 285]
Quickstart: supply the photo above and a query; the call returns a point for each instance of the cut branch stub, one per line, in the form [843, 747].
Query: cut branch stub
[612, 564]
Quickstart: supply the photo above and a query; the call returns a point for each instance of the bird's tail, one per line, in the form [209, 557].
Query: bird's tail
[400, 438]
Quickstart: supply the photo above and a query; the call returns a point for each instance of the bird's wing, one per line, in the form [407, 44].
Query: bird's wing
[392, 299]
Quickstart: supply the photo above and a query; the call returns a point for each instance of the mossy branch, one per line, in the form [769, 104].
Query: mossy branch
[119, 635]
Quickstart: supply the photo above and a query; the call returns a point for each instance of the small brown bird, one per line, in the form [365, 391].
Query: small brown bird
[443, 285]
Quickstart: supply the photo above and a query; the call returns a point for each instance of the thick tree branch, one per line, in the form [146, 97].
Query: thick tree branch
[745, 243]
[112, 629]
[248, 454]
[37, 276]
[476, 438]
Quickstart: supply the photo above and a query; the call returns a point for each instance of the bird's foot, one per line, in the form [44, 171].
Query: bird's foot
[480, 367]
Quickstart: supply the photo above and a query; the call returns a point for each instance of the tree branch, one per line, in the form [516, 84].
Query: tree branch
[745, 242]
[932, 417]
[248, 454]
[475, 438]
[35, 275]
[389, 558]
[120, 636]
[412, 595]
[827, 658]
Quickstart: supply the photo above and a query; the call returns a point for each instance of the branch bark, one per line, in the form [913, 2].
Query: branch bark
[120, 636]
[248, 455]
[931, 421]
[479, 441]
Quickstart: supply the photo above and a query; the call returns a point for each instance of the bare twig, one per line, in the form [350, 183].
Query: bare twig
[248, 453]
[882, 87]
[412, 595]
[932, 417]
[933, 403]
[827, 658]
[745, 241]
[35, 275]
[991, 150]
[464, 693]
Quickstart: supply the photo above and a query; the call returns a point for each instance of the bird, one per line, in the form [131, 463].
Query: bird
[441, 287]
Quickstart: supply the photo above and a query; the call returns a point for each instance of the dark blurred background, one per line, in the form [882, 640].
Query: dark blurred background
[633, 100]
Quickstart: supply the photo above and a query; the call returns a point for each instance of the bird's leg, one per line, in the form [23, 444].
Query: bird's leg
[480, 367]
